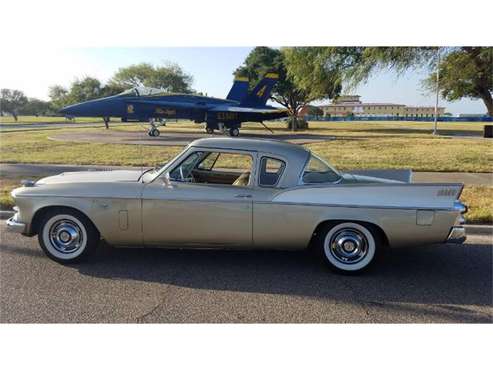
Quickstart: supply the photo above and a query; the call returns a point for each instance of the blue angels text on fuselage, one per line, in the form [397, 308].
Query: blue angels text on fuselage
[149, 104]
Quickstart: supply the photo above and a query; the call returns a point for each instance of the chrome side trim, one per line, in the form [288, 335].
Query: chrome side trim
[457, 235]
[370, 185]
[14, 226]
[448, 209]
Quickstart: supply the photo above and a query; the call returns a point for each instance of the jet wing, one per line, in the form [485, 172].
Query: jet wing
[247, 109]
[169, 105]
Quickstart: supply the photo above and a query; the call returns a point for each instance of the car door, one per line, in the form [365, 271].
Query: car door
[184, 213]
[274, 225]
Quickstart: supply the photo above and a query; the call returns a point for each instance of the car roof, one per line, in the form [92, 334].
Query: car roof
[256, 145]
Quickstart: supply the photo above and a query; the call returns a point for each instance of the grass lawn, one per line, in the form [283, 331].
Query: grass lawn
[479, 199]
[357, 145]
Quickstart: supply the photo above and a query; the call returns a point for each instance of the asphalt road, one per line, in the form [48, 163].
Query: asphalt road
[445, 283]
[172, 138]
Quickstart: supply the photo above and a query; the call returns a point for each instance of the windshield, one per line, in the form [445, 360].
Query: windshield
[129, 92]
[318, 171]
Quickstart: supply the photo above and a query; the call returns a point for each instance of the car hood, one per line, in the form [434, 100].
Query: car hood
[92, 176]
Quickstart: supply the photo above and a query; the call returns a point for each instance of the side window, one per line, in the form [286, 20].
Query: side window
[271, 170]
[208, 162]
[233, 162]
[184, 170]
[214, 168]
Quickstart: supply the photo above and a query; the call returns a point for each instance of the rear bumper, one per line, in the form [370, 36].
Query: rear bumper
[457, 235]
[14, 226]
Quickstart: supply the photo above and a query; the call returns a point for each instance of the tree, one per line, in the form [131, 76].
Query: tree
[11, 101]
[81, 89]
[466, 71]
[286, 92]
[169, 77]
[36, 107]
[84, 89]
[58, 96]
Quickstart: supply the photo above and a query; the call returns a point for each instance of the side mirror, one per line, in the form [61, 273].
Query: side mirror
[166, 180]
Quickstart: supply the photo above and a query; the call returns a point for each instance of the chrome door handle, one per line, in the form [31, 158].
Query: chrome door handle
[243, 196]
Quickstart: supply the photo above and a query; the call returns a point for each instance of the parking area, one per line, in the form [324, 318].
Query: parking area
[444, 283]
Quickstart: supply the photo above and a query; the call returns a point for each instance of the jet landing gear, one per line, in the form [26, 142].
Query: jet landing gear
[231, 131]
[153, 130]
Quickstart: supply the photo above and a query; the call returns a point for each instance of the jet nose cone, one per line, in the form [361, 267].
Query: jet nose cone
[92, 108]
[70, 110]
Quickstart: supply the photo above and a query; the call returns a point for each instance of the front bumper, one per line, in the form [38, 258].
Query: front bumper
[14, 226]
[457, 235]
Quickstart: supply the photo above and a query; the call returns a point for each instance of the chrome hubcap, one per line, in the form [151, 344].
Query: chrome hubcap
[348, 245]
[66, 236]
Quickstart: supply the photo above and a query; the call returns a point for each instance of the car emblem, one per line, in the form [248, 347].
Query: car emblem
[446, 192]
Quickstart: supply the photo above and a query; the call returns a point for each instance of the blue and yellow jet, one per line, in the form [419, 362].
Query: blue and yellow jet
[148, 104]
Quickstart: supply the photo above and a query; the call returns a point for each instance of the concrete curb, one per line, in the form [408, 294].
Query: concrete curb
[479, 229]
[470, 229]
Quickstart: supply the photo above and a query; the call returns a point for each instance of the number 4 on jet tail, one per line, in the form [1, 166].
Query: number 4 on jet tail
[149, 104]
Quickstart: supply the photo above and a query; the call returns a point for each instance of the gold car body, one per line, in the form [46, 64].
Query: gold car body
[134, 209]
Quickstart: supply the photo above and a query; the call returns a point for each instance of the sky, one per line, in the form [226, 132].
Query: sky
[211, 67]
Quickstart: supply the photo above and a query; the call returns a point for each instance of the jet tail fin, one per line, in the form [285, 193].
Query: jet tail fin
[261, 93]
[239, 90]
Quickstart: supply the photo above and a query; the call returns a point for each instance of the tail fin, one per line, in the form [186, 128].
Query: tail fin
[239, 90]
[261, 93]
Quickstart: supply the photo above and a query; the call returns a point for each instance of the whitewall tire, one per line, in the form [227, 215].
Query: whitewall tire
[67, 235]
[349, 247]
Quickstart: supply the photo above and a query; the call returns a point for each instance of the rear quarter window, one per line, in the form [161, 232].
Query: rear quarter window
[317, 172]
[271, 170]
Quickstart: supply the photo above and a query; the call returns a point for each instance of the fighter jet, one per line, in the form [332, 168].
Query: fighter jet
[154, 105]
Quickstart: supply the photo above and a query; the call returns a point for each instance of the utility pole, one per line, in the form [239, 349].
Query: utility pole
[435, 123]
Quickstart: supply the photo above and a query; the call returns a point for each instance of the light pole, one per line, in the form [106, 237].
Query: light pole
[435, 123]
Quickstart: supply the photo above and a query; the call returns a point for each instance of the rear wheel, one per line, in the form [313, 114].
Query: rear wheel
[66, 235]
[234, 132]
[349, 247]
[209, 130]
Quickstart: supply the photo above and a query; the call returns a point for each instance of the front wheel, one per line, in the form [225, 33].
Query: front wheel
[154, 132]
[349, 247]
[209, 130]
[67, 236]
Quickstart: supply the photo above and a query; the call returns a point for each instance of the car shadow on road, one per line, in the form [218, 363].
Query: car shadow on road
[440, 275]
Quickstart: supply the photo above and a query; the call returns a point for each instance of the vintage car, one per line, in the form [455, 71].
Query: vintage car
[238, 193]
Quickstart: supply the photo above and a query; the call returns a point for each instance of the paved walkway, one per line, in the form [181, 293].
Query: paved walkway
[36, 170]
[170, 138]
